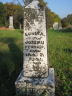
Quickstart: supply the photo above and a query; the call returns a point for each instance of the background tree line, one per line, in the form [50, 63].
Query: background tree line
[17, 11]
[11, 9]
[67, 21]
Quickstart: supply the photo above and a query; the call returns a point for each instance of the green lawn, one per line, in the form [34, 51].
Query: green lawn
[60, 58]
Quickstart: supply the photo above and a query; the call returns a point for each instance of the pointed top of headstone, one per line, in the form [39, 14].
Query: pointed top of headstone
[34, 4]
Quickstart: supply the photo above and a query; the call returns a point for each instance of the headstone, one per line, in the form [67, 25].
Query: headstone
[35, 73]
[60, 28]
[35, 41]
[55, 26]
[11, 22]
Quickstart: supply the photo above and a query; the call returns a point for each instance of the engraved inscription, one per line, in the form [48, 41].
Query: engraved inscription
[35, 42]
[34, 33]
[35, 47]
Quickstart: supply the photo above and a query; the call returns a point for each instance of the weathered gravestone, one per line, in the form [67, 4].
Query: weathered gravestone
[35, 41]
[11, 22]
[60, 28]
[35, 73]
[55, 26]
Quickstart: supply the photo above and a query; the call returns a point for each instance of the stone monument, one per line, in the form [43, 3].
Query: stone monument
[55, 26]
[11, 22]
[36, 76]
[60, 28]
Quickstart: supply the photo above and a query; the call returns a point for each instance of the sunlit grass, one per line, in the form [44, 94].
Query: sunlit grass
[60, 58]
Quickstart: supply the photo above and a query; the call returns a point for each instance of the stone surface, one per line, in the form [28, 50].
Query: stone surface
[55, 26]
[35, 41]
[35, 79]
[27, 86]
[60, 28]
[11, 22]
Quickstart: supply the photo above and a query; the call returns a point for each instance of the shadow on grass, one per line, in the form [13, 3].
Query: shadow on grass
[68, 50]
[11, 63]
[16, 56]
[7, 40]
[66, 31]
[21, 32]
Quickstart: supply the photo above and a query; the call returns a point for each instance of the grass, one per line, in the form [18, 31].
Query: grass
[60, 58]
[11, 60]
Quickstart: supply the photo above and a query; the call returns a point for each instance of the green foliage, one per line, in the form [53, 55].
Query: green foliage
[67, 21]
[1, 25]
[57, 19]
[2, 15]
[16, 11]
[9, 9]
[51, 18]
[18, 16]
[66, 24]
[60, 54]
[69, 18]
[6, 23]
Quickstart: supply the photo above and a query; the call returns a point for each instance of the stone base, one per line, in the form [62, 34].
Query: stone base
[11, 27]
[35, 86]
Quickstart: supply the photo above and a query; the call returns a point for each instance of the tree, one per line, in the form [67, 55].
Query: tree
[63, 21]
[2, 14]
[9, 9]
[18, 15]
[57, 19]
[16, 11]
[69, 19]
[51, 16]
[66, 24]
